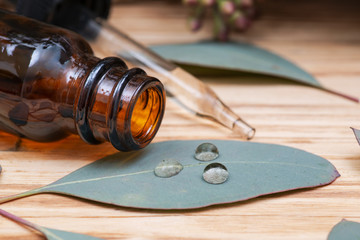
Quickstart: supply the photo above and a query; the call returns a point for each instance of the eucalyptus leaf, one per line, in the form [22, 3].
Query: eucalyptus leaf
[49, 233]
[357, 134]
[255, 169]
[239, 57]
[53, 234]
[345, 230]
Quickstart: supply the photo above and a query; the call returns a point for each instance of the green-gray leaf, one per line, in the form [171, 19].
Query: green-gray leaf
[49, 233]
[237, 56]
[357, 134]
[255, 169]
[345, 230]
[53, 234]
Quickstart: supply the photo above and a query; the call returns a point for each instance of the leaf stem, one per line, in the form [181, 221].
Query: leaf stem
[20, 220]
[18, 196]
[351, 98]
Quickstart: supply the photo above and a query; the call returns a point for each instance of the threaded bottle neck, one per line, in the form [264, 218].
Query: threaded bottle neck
[119, 105]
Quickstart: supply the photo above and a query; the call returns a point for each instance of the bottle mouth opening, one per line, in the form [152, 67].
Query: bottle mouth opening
[146, 115]
[118, 105]
[140, 110]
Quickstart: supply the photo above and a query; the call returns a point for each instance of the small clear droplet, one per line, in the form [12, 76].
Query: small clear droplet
[215, 173]
[206, 152]
[168, 168]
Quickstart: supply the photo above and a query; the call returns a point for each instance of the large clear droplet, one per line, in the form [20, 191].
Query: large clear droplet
[206, 152]
[215, 173]
[168, 168]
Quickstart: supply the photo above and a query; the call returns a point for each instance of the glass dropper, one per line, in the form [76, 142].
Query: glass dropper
[191, 92]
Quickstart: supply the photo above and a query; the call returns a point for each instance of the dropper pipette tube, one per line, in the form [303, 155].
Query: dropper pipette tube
[187, 89]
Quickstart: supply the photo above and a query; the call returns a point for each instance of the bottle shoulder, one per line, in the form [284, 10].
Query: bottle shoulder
[34, 54]
[16, 30]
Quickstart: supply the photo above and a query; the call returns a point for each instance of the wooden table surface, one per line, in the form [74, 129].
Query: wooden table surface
[321, 36]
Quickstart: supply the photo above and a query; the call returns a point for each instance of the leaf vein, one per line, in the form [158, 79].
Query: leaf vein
[185, 166]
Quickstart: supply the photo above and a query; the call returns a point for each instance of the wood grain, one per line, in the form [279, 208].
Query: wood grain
[321, 36]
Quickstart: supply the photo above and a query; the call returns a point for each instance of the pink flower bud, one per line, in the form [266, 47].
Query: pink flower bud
[227, 7]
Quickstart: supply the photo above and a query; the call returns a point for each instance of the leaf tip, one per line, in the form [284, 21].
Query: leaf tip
[336, 174]
[356, 133]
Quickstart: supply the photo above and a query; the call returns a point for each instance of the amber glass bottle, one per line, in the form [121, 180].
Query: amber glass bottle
[52, 85]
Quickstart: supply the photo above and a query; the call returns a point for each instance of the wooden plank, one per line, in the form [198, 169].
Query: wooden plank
[321, 36]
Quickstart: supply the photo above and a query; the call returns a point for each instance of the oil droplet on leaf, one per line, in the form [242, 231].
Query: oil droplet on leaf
[215, 173]
[168, 168]
[206, 152]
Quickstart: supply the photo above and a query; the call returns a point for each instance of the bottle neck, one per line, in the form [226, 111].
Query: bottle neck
[119, 105]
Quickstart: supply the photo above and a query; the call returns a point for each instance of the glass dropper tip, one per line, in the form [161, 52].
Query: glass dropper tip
[243, 129]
